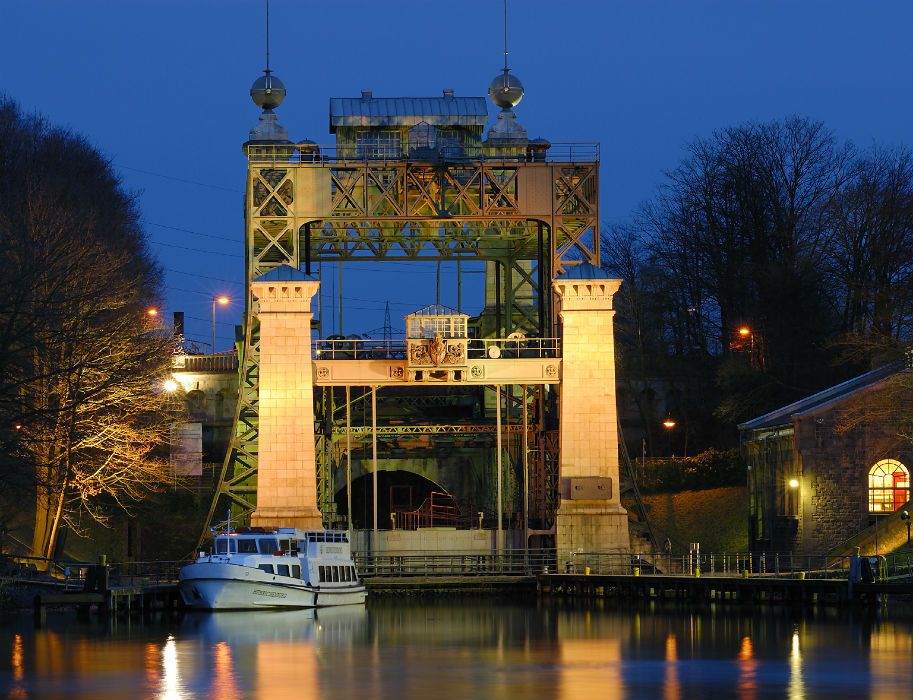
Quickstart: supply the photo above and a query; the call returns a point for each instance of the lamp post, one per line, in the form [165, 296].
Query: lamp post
[223, 301]
[905, 517]
[669, 424]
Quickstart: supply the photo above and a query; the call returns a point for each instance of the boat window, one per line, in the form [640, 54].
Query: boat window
[268, 545]
[345, 573]
[335, 573]
[354, 573]
[282, 569]
[221, 546]
[247, 546]
[296, 571]
[323, 574]
[232, 546]
[268, 568]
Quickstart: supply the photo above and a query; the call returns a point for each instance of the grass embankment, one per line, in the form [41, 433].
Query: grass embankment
[717, 518]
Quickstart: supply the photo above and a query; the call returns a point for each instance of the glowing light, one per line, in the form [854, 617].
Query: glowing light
[170, 385]
[669, 423]
[223, 300]
[18, 426]
[152, 311]
[171, 681]
[796, 687]
[744, 331]
[18, 667]
[793, 483]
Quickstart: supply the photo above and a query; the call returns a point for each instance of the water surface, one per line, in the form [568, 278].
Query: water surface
[475, 648]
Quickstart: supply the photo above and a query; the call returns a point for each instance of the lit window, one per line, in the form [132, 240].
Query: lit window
[889, 486]
[377, 145]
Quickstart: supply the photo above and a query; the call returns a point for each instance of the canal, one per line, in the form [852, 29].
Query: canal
[409, 648]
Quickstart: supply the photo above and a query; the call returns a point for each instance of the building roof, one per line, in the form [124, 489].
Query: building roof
[584, 271]
[285, 273]
[436, 310]
[815, 402]
[407, 111]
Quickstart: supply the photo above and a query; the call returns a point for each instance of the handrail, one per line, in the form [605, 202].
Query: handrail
[767, 565]
[310, 153]
[478, 348]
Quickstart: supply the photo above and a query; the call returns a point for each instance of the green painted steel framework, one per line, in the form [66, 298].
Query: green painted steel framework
[302, 211]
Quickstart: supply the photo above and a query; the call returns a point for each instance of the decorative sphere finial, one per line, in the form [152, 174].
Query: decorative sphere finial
[267, 92]
[506, 90]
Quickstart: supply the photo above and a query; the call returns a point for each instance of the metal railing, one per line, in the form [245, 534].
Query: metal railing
[504, 563]
[351, 349]
[493, 348]
[304, 154]
[438, 510]
[478, 349]
[896, 567]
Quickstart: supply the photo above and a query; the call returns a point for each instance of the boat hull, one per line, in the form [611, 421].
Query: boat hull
[220, 586]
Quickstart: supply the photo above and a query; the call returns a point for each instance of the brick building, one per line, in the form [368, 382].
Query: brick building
[812, 487]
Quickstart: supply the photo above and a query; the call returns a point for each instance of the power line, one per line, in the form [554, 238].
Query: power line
[180, 179]
[205, 277]
[192, 232]
[197, 250]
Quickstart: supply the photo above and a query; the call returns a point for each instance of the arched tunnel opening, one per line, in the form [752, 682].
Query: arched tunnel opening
[398, 492]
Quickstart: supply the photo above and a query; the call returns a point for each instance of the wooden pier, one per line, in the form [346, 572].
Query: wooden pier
[116, 600]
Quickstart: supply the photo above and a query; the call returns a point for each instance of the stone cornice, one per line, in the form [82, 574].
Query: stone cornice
[584, 294]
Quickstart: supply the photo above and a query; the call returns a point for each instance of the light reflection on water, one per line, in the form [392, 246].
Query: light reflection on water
[466, 649]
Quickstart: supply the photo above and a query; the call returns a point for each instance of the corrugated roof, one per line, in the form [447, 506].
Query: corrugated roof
[436, 310]
[784, 415]
[584, 271]
[285, 273]
[407, 111]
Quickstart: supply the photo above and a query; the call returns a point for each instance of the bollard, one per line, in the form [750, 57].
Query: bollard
[637, 571]
[744, 573]
[586, 571]
[103, 559]
[801, 575]
[697, 572]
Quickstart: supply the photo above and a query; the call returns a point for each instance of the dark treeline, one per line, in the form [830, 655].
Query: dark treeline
[84, 424]
[779, 229]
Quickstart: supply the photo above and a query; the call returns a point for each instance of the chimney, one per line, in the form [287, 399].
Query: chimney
[178, 331]
[448, 92]
[366, 94]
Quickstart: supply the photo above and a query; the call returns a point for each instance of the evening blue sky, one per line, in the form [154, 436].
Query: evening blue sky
[162, 87]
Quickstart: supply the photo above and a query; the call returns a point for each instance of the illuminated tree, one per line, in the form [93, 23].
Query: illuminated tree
[82, 418]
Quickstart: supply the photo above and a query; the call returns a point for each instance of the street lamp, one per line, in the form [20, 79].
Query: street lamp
[152, 312]
[905, 517]
[793, 483]
[222, 301]
[170, 385]
[669, 423]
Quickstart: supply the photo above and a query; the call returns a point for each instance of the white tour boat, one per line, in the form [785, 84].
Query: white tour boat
[275, 568]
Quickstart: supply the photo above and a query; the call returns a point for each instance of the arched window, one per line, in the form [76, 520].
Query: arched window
[889, 486]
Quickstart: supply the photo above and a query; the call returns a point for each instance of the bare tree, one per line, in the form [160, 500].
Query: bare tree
[85, 419]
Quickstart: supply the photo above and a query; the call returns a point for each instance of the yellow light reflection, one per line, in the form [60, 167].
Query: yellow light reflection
[151, 665]
[748, 671]
[672, 689]
[273, 680]
[890, 651]
[224, 681]
[17, 664]
[588, 667]
[171, 677]
[796, 690]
